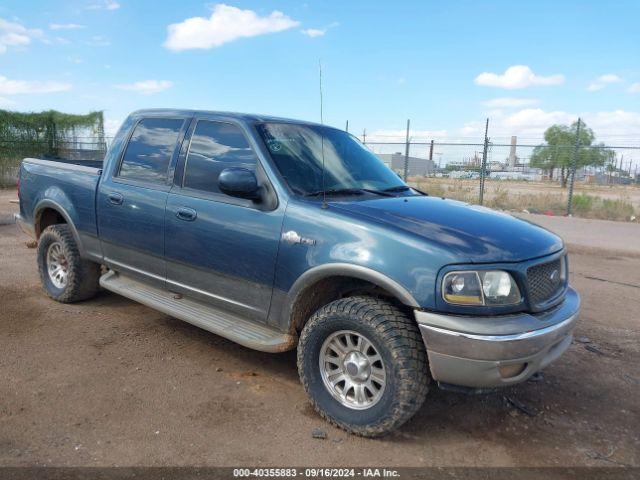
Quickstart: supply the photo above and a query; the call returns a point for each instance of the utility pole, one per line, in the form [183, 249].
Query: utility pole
[431, 155]
[572, 172]
[364, 136]
[483, 167]
[346, 128]
[406, 154]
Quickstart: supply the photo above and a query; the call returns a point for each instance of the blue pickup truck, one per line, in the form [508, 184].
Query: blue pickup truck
[282, 234]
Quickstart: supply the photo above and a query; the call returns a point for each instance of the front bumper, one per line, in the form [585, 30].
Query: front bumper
[484, 352]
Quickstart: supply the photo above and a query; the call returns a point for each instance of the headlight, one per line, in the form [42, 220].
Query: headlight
[490, 287]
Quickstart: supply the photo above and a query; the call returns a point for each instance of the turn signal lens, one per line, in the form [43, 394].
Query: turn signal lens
[509, 371]
[462, 288]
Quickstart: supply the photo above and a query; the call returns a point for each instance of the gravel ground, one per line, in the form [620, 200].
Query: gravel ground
[110, 382]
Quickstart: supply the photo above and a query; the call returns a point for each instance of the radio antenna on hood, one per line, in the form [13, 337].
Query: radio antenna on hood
[324, 192]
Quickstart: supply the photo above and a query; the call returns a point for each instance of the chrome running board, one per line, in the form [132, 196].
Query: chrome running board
[228, 325]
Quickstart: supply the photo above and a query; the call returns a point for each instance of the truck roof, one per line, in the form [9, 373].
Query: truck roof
[250, 117]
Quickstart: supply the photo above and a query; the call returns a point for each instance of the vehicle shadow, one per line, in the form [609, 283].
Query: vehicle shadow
[443, 414]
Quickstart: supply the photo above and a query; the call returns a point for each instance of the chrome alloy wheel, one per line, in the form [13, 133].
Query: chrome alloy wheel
[57, 265]
[352, 369]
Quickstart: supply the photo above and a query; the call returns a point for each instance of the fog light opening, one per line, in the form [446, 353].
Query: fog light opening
[513, 370]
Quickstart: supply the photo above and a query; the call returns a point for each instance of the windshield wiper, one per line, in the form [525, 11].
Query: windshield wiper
[348, 191]
[405, 188]
[398, 188]
[335, 191]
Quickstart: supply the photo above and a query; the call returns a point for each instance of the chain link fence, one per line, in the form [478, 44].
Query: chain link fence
[498, 173]
[596, 181]
[79, 149]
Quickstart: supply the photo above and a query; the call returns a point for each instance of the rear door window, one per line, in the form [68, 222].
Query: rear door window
[150, 149]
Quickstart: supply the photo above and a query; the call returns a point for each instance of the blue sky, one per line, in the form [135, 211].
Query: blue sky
[445, 64]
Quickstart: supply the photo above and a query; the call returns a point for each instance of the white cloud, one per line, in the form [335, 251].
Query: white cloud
[62, 41]
[314, 32]
[594, 87]
[634, 88]
[609, 78]
[111, 126]
[65, 26]
[147, 87]
[509, 102]
[13, 87]
[225, 24]
[13, 34]
[6, 102]
[390, 135]
[602, 81]
[98, 41]
[515, 77]
[103, 5]
[318, 32]
[534, 121]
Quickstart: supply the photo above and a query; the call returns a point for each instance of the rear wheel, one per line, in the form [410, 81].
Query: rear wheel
[363, 364]
[65, 276]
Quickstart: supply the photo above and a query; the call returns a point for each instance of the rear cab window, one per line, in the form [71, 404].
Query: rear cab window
[150, 149]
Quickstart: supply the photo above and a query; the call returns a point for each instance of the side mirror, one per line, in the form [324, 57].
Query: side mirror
[239, 182]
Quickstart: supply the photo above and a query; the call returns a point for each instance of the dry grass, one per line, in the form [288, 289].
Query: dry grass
[547, 199]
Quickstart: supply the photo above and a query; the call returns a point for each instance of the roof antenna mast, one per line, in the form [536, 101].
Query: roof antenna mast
[324, 192]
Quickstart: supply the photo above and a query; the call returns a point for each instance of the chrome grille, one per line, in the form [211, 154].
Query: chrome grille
[545, 280]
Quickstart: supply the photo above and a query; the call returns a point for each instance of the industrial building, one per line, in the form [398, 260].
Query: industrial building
[417, 166]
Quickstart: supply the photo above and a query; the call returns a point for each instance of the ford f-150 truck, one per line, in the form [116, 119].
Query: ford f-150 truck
[282, 234]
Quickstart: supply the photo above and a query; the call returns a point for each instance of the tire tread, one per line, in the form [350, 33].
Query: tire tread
[401, 335]
[83, 277]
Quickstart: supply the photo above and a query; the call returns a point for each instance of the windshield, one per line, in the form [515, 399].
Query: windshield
[297, 151]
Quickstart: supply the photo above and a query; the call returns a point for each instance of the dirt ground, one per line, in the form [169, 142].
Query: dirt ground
[109, 382]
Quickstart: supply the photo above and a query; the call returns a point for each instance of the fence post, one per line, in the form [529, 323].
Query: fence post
[406, 154]
[572, 172]
[484, 161]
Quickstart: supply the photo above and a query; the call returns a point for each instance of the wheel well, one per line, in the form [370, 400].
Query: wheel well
[329, 289]
[47, 217]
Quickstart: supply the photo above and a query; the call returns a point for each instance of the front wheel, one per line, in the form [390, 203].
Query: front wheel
[363, 364]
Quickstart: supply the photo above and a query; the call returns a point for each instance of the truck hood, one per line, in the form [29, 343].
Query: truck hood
[478, 234]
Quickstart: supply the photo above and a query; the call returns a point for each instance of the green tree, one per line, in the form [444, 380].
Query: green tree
[558, 150]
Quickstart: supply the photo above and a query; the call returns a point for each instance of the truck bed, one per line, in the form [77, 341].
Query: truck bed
[82, 163]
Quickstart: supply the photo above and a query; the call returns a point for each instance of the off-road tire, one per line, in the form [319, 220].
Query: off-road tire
[83, 275]
[398, 341]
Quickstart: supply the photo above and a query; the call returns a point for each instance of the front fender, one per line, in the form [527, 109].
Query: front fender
[320, 272]
[322, 242]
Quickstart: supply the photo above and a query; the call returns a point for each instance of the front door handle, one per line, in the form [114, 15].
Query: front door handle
[115, 198]
[186, 214]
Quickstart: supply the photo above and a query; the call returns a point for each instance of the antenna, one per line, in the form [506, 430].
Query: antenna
[324, 192]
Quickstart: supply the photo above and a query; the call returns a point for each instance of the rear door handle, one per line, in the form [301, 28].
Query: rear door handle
[115, 198]
[186, 214]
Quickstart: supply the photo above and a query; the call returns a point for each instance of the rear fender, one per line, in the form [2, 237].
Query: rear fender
[66, 213]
